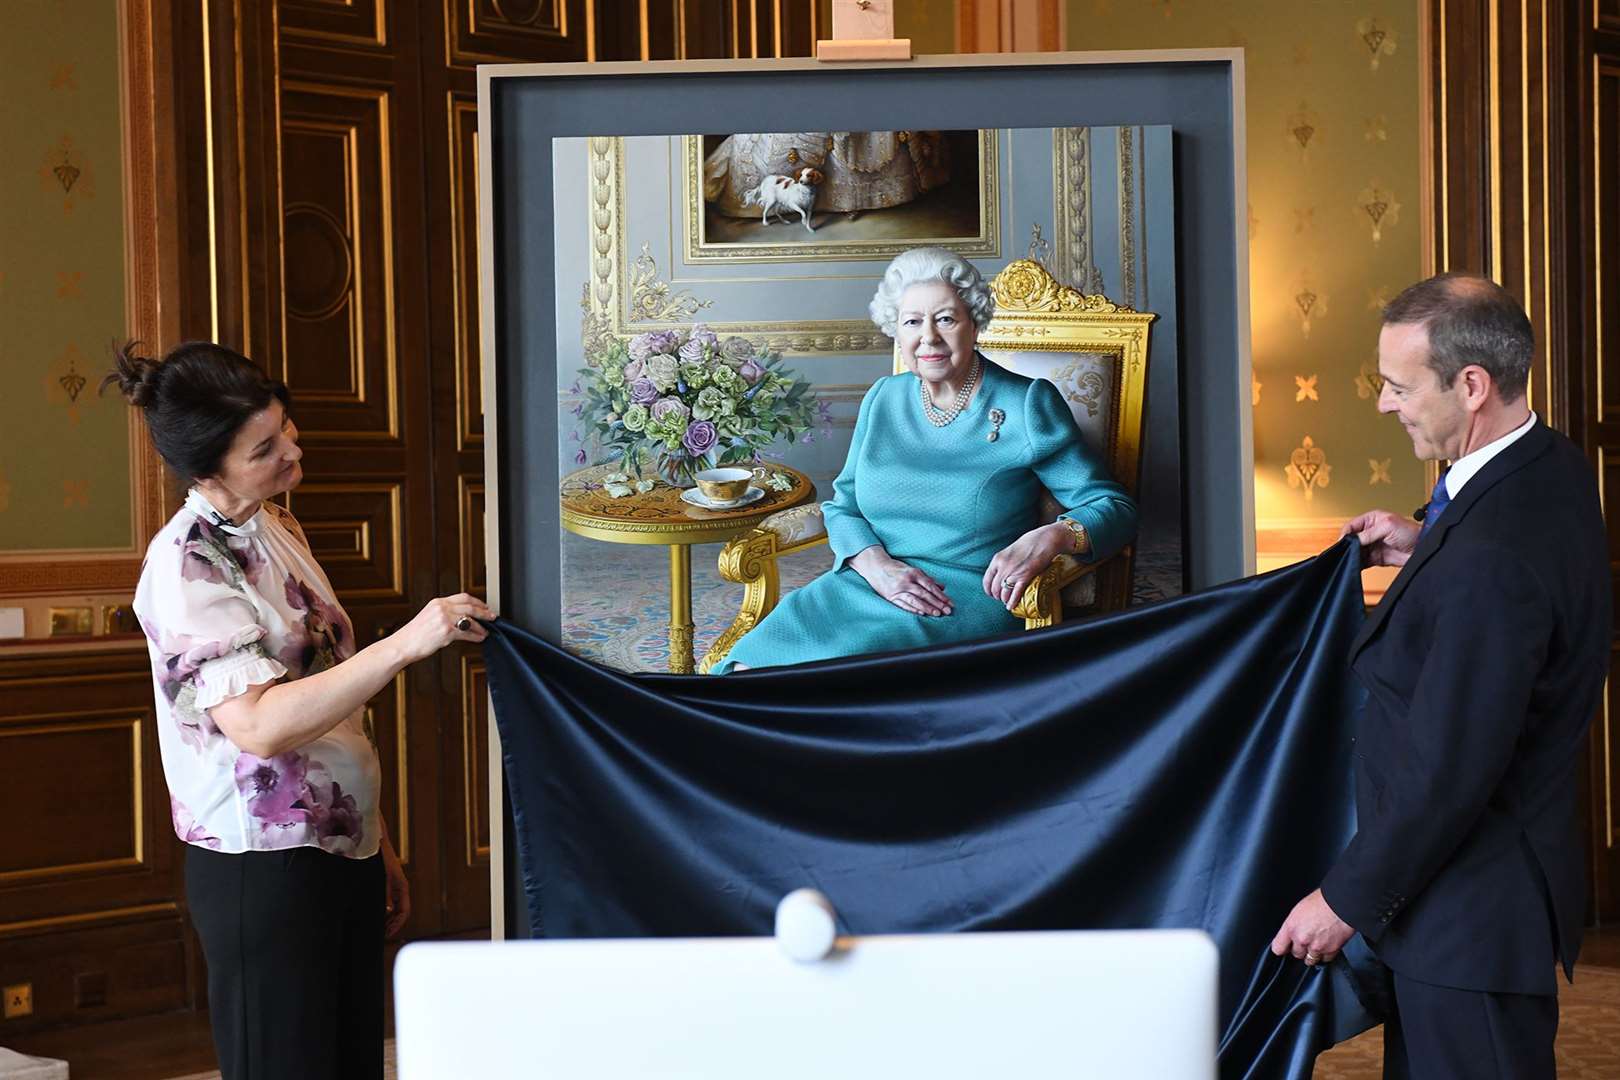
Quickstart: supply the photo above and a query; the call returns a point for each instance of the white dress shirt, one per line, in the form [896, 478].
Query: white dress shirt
[1464, 468]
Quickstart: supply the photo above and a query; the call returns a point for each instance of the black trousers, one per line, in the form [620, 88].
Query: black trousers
[1444, 1034]
[294, 944]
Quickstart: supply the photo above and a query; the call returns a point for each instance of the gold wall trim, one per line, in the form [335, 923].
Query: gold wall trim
[468, 488]
[699, 250]
[461, 275]
[88, 919]
[75, 723]
[477, 854]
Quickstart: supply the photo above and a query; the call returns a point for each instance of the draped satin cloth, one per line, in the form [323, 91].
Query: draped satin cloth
[1184, 764]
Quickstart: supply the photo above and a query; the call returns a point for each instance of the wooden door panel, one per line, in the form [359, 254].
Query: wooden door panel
[503, 31]
[362, 23]
[471, 514]
[468, 849]
[355, 533]
[95, 816]
[338, 244]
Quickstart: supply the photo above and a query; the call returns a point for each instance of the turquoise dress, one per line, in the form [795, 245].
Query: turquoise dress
[944, 500]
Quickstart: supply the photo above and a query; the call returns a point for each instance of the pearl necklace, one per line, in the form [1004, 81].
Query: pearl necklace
[940, 417]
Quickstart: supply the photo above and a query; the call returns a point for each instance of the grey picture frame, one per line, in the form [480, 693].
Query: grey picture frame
[523, 107]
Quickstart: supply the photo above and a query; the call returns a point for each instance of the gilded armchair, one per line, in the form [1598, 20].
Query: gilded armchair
[1096, 353]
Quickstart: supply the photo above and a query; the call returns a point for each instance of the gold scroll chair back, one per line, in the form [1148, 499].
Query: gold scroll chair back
[1096, 353]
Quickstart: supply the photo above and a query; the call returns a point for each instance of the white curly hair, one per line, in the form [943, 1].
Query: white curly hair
[920, 266]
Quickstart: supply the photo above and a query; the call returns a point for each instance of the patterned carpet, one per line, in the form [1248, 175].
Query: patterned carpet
[617, 609]
[1588, 1035]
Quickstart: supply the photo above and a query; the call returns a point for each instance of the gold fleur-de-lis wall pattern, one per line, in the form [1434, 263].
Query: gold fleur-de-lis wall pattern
[1308, 468]
[1334, 161]
[65, 483]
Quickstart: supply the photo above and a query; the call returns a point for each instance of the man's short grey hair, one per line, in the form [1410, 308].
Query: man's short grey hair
[926, 264]
[1470, 320]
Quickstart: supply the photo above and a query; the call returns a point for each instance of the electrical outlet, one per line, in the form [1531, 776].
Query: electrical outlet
[19, 1001]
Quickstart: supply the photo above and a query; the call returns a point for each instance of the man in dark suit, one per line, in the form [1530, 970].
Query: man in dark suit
[1483, 666]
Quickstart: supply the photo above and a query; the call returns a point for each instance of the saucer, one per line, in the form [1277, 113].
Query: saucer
[695, 497]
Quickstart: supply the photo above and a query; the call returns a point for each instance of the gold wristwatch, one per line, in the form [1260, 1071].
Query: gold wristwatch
[1082, 542]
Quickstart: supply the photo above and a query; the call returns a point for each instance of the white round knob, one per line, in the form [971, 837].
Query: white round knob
[806, 925]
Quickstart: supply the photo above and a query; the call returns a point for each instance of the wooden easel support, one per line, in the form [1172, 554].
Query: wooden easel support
[863, 30]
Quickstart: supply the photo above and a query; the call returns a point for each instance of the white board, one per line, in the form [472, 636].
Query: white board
[946, 1006]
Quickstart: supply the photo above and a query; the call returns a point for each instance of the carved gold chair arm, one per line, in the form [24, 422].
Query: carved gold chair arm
[751, 561]
[1042, 602]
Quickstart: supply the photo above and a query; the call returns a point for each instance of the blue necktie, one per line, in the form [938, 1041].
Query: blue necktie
[1438, 501]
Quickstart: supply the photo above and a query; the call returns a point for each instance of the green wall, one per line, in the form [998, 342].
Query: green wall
[64, 451]
[1330, 119]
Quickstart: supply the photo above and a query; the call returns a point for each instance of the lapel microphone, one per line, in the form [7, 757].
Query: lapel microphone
[221, 519]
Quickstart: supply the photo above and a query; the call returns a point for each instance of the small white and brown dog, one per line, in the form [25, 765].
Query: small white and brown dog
[779, 194]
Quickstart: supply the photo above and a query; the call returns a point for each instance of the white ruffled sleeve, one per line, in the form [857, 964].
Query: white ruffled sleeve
[232, 674]
[193, 602]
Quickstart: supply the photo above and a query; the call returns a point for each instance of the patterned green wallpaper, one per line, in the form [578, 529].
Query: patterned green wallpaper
[64, 453]
[1333, 94]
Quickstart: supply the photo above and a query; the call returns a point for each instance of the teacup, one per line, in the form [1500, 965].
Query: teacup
[725, 485]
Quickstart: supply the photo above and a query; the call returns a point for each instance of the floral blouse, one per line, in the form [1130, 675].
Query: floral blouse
[227, 607]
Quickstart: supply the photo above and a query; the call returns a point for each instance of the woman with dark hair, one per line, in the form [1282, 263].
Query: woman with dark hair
[272, 771]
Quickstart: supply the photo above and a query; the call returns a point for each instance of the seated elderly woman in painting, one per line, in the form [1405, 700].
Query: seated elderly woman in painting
[929, 520]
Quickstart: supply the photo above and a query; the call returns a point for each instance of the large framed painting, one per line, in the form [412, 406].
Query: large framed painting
[1093, 208]
[665, 303]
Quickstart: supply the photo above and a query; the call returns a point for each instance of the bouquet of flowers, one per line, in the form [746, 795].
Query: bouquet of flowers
[687, 401]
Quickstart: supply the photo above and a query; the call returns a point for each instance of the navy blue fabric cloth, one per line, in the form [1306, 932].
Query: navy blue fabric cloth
[1184, 764]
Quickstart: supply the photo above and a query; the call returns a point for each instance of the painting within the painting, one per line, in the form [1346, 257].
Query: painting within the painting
[832, 194]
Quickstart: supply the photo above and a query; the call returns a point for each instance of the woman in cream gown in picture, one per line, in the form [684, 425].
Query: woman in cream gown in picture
[861, 170]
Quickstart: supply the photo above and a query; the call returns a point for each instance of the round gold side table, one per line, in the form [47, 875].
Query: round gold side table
[661, 517]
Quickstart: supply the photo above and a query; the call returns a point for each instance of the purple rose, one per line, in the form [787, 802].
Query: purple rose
[650, 344]
[703, 335]
[274, 787]
[665, 406]
[737, 349]
[751, 372]
[634, 370]
[700, 438]
[692, 351]
[643, 392]
[641, 346]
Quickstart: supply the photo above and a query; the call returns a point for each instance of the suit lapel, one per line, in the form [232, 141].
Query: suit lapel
[1532, 445]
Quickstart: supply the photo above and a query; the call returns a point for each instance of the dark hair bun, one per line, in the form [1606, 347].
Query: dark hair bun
[135, 375]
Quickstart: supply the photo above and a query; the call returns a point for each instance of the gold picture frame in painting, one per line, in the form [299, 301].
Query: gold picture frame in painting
[699, 248]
